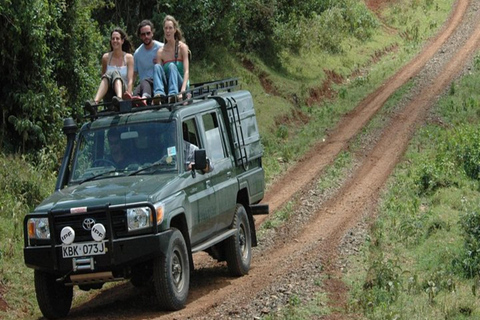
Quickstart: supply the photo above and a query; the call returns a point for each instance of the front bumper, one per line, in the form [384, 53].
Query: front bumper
[123, 249]
[120, 253]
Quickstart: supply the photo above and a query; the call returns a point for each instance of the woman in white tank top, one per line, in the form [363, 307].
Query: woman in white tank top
[117, 69]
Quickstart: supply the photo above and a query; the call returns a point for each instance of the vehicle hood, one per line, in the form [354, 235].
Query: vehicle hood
[113, 191]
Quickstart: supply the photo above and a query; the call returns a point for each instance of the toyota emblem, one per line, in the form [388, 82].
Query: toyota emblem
[88, 223]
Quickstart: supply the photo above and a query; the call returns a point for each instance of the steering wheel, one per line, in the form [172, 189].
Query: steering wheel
[99, 162]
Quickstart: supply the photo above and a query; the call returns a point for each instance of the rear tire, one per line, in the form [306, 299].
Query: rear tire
[238, 247]
[171, 274]
[54, 298]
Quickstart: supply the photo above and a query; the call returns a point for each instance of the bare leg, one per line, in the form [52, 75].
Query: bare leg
[117, 86]
[102, 90]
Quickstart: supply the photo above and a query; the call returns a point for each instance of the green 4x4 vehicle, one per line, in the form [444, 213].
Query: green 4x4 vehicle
[141, 189]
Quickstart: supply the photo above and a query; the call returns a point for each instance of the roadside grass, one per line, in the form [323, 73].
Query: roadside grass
[298, 310]
[420, 263]
[288, 127]
[408, 17]
[21, 183]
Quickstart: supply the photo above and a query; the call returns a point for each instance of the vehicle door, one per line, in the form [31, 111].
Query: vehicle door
[199, 191]
[222, 179]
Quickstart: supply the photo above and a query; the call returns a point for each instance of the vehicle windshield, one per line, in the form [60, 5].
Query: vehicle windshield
[121, 150]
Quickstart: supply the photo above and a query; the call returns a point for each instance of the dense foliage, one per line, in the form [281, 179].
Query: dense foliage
[48, 57]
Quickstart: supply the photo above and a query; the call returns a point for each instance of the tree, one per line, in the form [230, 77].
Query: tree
[48, 53]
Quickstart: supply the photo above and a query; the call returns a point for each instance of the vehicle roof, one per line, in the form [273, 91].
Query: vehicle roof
[195, 100]
[151, 115]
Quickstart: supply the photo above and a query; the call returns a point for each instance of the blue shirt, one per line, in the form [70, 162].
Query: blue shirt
[144, 60]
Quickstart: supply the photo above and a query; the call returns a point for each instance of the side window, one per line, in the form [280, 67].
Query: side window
[190, 142]
[190, 134]
[214, 144]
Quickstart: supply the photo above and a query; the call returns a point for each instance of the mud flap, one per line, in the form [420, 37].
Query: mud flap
[256, 209]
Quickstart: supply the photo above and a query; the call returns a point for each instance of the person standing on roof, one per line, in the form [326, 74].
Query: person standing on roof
[172, 68]
[117, 69]
[145, 58]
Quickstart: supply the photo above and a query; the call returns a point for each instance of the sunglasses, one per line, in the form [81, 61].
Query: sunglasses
[145, 33]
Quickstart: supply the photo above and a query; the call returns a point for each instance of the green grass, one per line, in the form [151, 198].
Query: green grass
[418, 224]
[296, 309]
[21, 183]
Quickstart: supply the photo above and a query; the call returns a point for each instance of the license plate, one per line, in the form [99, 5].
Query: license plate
[83, 249]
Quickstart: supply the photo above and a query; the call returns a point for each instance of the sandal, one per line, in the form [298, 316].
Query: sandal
[127, 96]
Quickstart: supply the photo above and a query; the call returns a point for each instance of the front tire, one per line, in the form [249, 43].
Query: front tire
[54, 298]
[171, 274]
[238, 247]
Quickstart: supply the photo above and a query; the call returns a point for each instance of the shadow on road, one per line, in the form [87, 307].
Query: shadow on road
[124, 301]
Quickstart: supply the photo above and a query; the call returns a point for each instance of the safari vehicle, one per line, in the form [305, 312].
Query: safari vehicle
[130, 204]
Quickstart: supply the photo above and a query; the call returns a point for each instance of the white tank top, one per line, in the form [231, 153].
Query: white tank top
[122, 70]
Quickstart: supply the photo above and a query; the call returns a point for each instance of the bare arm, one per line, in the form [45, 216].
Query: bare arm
[104, 63]
[135, 69]
[159, 56]
[186, 71]
[130, 73]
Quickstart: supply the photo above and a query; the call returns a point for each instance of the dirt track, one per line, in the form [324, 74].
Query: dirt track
[315, 247]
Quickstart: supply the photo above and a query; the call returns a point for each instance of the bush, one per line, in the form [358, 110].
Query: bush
[324, 28]
[469, 153]
[25, 181]
[470, 224]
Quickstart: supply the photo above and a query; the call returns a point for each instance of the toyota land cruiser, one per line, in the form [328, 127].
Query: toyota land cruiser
[141, 189]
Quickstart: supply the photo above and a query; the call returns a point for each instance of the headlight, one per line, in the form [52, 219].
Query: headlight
[139, 218]
[38, 228]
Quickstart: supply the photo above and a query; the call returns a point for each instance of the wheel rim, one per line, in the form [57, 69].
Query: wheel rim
[177, 270]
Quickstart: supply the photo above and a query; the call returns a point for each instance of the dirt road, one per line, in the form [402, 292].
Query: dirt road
[301, 251]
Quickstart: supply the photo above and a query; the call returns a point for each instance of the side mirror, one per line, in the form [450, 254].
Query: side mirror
[200, 157]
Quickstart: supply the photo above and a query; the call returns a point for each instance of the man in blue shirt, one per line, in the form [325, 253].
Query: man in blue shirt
[145, 58]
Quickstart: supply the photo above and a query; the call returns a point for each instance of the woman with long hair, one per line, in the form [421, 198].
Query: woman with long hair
[117, 69]
[172, 68]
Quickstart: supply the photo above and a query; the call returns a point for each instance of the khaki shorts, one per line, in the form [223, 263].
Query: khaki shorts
[112, 76]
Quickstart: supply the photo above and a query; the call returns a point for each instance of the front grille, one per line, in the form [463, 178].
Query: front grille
[75, 221]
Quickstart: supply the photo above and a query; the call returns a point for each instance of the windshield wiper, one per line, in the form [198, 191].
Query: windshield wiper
[155, 164]
[99, 175]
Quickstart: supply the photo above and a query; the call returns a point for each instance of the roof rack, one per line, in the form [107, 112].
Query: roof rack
[196, 91]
